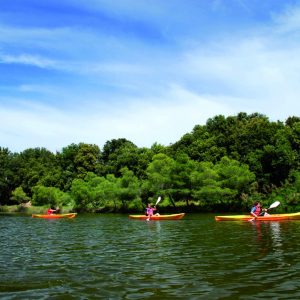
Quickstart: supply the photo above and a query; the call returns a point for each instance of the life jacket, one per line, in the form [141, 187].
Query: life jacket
[257, 210]
[50, 211]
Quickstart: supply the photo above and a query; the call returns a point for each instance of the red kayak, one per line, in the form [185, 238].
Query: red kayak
[158, 217]
[55, 216]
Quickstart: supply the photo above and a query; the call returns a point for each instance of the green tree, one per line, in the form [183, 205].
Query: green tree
[19, 196]
[36, 166]
[76, 160]
[234, 175]
[129, 187]
[206, 187]
[7, 180]
[51, 196]
[95, 193]
[159, 172]
[221, 185]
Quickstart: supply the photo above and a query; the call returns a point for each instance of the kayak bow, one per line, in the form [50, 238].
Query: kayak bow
[159, 217]
[55, 216]
[275, 217]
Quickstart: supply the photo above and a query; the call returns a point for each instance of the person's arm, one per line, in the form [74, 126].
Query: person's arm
[252, 212]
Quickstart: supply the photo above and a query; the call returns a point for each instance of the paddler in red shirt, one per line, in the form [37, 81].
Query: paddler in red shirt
[50, 211]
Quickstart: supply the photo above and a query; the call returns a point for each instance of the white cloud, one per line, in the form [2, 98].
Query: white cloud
[262, 68]
[289, 20]
[28, 59]
[124, 87]
[143, 123]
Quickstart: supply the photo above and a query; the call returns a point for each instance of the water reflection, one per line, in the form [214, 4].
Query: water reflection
[278, 251]
[269, 241]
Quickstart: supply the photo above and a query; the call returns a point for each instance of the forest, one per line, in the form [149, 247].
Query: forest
[222, 166]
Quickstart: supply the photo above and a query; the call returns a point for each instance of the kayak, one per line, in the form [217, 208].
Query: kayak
[275, 217]
[55, 216]
[159, 217]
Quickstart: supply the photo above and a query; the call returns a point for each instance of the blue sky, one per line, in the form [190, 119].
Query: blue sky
[146, 70]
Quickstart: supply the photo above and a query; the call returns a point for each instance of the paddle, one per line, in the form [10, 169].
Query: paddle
[273, 205]
[158, 200]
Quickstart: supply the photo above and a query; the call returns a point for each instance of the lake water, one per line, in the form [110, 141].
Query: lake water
[113, 257]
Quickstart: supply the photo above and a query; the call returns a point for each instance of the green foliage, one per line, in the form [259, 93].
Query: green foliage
[19, 196]
[234, 175]
[227, 163]
[129, 187]
[7, 180]
[50, 196]
[159, 173]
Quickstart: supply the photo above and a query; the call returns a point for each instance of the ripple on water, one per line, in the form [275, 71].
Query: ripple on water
[117, 258]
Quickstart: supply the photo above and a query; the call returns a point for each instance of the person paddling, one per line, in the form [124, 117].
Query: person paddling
[150, 211]
[257, 211]
[50, 211]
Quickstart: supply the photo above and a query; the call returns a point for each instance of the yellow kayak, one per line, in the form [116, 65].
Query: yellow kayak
[275, 217]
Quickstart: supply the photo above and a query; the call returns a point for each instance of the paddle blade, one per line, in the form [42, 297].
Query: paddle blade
[275, 204]
[158, 200]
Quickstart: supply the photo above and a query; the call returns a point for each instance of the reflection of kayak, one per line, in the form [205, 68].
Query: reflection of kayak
[157, 218]
[55, 216]
[276, 217]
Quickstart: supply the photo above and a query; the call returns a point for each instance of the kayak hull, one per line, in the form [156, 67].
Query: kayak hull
[158, 218]
[55, 216]
[275, 217]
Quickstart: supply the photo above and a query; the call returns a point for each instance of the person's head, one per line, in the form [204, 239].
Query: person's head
[149, 204]
[257, 204]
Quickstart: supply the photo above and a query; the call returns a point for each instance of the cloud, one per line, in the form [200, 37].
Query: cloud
[27, 59]
[289, 20]
[260, 68]
[142, 122]
[110, 85]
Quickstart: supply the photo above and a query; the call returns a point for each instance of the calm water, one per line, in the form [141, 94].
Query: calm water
[112, 257]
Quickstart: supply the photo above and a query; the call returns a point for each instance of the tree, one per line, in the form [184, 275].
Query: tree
[51, 196]
[7, 182]
[234, 175]
[36, 166]
[95, 193]
[77, 160]
[117, 154]
[221, 184]
[129, 187]
[206, 186]
[19, 196]
[159, 172]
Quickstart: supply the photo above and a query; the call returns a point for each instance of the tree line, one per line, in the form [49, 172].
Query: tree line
[224, 165]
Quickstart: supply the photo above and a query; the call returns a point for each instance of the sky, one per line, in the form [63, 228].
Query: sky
[149, 71]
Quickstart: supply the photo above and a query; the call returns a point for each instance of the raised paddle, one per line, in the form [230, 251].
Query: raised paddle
[158, 200]
[273, 205]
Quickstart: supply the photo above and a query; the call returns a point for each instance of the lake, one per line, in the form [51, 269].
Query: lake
[112, 257]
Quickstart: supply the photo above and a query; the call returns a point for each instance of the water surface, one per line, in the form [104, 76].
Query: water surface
[113, 257]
